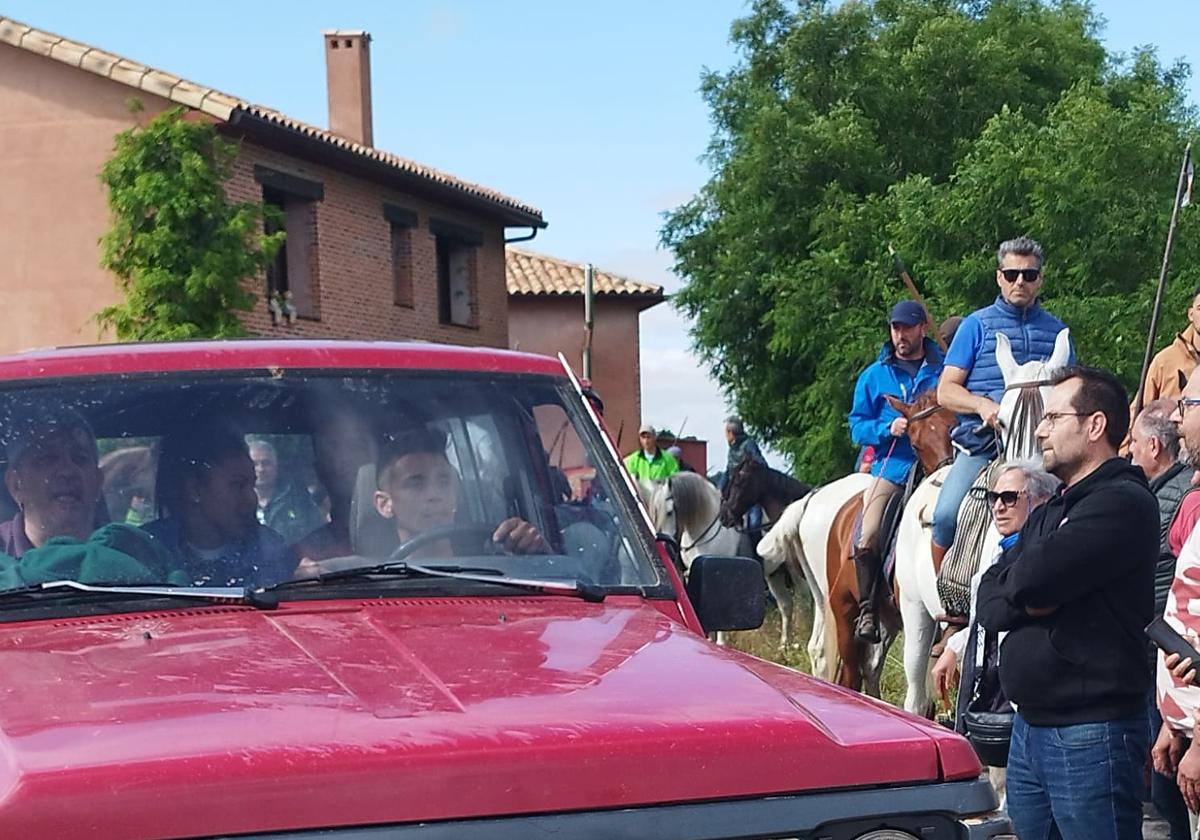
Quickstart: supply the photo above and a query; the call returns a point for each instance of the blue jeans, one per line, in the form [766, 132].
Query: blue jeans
[1164, 791]
[954, 489]
[1078, 782]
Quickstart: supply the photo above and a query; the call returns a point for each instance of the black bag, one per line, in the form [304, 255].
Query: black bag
[988, 719]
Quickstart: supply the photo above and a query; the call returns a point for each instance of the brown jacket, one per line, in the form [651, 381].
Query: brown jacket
[1180, 356]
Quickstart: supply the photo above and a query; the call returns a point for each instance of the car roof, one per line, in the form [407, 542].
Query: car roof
[270, 354]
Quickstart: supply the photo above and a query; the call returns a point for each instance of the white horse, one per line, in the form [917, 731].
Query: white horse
[920, 602]
[688, 507]
[799, 541]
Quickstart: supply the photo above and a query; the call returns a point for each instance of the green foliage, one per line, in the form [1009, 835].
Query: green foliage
[943, 127]
[180, 250]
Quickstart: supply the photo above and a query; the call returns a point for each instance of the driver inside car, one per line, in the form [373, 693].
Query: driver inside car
[418, 490]
[54, 477]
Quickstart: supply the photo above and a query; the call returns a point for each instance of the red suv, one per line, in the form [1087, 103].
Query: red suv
[319, 589]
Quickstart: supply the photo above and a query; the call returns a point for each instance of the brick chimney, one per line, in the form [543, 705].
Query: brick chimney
[348, 79]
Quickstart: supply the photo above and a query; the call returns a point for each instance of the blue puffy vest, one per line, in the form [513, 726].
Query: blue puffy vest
[1031, 332]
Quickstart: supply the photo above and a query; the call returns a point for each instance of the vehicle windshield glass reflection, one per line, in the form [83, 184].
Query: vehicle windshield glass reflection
[242, 480]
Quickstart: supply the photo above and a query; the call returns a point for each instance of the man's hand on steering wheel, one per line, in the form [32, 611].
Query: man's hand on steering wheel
[520, 537]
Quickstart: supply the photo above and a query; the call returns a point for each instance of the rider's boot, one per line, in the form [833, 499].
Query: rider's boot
[866, 567]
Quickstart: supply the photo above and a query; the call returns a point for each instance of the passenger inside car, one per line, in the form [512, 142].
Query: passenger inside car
[54, 477]
[208, 511]
[418, 490]
[342, 444]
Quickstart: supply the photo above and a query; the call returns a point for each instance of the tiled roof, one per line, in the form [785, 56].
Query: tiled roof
[224, 107]
[536, 274]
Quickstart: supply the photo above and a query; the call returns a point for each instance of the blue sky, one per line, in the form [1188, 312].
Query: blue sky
[589, 111]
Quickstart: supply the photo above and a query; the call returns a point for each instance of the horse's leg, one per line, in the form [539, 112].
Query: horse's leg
[843, 597]
[782, 594]
[919, 632]
[876, 658]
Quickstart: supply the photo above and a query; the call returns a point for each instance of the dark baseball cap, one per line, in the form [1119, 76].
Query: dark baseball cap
[909, 313]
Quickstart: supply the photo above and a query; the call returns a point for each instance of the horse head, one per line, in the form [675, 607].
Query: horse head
[1026, 388]
[660, 504]
[929, 426]
[743, 487]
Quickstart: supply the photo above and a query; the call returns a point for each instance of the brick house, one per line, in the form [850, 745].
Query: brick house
[545, 315]
[378, 246]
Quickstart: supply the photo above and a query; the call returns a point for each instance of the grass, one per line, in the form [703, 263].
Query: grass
[764, 643]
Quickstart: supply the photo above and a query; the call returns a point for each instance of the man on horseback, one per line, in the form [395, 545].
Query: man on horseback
[908, 364]
[972, 383]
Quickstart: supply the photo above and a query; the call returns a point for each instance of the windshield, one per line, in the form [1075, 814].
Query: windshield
[251, 480]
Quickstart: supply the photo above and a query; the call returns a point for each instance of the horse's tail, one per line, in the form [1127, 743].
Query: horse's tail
[833, 658]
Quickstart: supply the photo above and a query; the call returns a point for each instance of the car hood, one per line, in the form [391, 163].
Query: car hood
[222, 720]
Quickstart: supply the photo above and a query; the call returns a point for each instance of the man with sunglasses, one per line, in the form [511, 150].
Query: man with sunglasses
[1074, 594]
[908, 364]
[972, 383]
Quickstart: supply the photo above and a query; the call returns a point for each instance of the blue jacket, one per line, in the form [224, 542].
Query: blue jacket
[1031, 332]
[872, 416]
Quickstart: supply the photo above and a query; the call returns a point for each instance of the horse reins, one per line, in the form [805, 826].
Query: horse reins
[703, 534]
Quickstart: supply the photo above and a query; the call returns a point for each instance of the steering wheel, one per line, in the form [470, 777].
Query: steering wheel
[441, 532]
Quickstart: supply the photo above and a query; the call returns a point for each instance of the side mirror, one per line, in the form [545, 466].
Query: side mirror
[727, 593]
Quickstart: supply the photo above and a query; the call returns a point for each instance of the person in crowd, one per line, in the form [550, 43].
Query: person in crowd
[972, 383]
[677, 453]
[1175, 751]
[908, 364]
[283, 507]
[1017, 489]
[54, 477]
[948, 328]
[1155, 447]
[649, 462]
[1074, 594]
[1175, 362]
[208, 511]
[741, 445]
[419, 491]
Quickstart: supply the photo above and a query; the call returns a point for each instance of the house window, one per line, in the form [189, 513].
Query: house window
[401, 222]
[456, 250]
[292, 273]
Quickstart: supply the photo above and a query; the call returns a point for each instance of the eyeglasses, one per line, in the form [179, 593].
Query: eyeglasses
[1029, 275]
[1007, 498]
[1052, 417]
[1181, 405]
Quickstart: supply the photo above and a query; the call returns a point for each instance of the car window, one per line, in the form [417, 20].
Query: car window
[248, 479]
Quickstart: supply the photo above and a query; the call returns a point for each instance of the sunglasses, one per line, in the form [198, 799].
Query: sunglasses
[1029, 275]
[1006, 497]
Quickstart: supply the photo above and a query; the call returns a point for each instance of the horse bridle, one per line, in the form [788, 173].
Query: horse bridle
[703, 534]
[924, 413]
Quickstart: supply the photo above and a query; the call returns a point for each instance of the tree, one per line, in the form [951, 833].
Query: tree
[943, 127]
[180, 249]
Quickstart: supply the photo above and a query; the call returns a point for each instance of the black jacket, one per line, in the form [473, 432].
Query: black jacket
[1090, 553]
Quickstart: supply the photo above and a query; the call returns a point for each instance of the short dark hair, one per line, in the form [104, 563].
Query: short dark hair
[423, 440]
[1101, 392]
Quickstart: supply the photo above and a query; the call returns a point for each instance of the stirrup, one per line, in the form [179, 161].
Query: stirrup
[872, 623]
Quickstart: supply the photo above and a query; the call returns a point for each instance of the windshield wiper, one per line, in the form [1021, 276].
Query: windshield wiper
[215, 594]
[586, 591]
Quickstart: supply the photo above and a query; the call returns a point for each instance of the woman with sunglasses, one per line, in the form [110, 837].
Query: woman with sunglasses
[972, 383]
[1018, 488]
